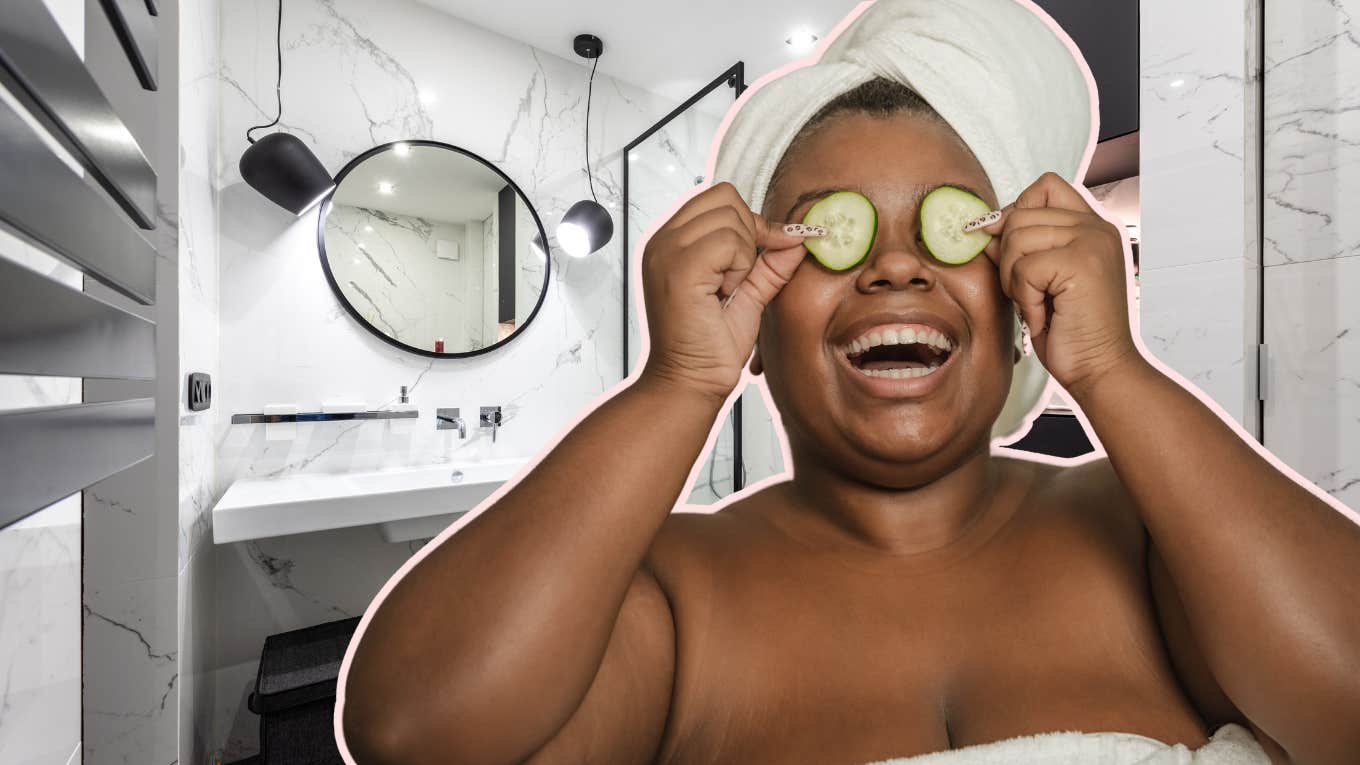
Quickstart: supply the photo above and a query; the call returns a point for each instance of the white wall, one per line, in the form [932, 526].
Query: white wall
[1312, 235]
[1197, 149]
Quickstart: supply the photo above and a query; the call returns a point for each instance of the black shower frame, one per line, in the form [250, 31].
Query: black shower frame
[734, 77]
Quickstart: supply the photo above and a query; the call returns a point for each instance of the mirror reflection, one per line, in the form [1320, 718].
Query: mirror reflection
[433, 249]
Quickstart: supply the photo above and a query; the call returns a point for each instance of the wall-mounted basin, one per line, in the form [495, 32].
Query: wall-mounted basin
[405, 503]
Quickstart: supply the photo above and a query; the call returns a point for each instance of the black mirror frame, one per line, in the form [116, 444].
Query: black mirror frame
[325, 209]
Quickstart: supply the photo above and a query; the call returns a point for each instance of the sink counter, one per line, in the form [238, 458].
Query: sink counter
[406, 503]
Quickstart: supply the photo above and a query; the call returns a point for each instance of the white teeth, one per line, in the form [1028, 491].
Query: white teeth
[900, 372]
[899, 336]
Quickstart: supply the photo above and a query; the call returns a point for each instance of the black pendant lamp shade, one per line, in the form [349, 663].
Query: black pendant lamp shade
[585, 228]
[284, 170]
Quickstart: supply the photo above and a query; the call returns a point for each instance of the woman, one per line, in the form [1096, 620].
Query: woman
[910, 589]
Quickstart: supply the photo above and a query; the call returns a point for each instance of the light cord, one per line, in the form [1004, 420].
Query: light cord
[278, 84]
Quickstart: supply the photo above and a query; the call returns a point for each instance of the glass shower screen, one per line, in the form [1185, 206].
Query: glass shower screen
[662, 165]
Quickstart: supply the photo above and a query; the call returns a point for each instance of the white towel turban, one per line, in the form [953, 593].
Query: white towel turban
[995, 70]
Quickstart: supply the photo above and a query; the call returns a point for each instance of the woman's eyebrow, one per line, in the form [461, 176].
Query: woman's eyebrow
[920, 194]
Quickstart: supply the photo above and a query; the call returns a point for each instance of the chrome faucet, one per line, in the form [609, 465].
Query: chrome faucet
[491, 418]
[448, 419]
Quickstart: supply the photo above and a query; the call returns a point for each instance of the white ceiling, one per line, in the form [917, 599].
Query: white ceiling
[668, 47]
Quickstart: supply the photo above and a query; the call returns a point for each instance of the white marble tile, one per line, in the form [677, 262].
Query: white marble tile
[40, 636]
[1312, 170]
[1312, 412]
[1195, 131]
[131, 671]
[1191, 318]
[1197, 208]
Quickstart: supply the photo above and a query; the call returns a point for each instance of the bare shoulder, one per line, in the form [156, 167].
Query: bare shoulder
[693, 538]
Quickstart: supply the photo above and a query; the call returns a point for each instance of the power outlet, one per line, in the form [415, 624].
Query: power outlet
[200, 391]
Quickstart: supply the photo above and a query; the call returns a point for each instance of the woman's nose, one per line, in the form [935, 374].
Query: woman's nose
[897, 262]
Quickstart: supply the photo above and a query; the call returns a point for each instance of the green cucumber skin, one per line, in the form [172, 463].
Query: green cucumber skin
[814, 213]
[976, 241]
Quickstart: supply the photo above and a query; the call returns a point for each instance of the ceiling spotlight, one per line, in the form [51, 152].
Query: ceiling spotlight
[386, 187]
[801, 41]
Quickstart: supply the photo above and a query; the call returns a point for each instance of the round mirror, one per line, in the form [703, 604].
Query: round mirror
[433, 249]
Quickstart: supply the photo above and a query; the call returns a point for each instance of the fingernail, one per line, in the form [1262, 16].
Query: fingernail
[801, 229]
[984, 221]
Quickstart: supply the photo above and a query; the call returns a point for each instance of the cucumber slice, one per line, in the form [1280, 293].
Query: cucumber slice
[944, 212]
[851, 223]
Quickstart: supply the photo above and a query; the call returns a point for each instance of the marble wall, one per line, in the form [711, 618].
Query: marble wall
[132, 543]
[358, 74]
[1312, 238]
[200, 166]
[1197, 171]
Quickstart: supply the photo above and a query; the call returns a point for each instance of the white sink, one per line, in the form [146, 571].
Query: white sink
[405, 503]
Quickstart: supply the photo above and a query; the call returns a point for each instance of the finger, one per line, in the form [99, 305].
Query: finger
[1016, 217]
[772, 270]
[711, 259]
[1052, 190]
[1016, 243]
[716, 219]
[1033, 279]
[774, 236]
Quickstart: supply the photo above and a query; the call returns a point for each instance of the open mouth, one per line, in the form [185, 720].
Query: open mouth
[899, 353]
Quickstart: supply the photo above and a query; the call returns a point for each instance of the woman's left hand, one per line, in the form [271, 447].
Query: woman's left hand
[1063, 265]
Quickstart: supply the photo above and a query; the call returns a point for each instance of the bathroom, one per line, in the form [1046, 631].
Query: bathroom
[266, 447]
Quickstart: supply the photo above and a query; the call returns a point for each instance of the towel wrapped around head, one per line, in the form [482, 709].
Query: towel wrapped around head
[1000, 72]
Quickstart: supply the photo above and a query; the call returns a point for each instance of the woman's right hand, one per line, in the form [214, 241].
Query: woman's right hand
[713, 248]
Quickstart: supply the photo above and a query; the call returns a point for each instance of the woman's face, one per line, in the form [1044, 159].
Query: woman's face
[888, 432]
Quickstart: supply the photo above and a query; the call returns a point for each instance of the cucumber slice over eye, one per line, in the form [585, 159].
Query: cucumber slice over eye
[944, 212]
[851, 222]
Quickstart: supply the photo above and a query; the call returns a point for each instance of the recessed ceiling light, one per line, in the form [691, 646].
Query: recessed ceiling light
[801, 40]
[386, 187]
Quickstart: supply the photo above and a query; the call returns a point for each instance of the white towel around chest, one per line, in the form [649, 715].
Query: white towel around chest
[1229, 745]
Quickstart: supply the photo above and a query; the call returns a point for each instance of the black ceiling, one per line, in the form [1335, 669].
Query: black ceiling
[1106, 31]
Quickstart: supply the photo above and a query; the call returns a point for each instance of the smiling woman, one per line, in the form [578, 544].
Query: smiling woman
[910, 587]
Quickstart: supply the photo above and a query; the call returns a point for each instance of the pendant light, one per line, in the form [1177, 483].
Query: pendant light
[586, 226]
[280, 166]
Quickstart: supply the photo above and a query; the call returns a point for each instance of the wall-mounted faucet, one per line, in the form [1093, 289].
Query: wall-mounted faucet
[448, 419]
[491, 418]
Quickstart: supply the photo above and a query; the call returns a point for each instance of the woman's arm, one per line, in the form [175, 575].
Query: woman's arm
[486, 648]
[1268, 573]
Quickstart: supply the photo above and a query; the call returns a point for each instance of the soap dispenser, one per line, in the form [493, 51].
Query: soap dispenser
[403, 404]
